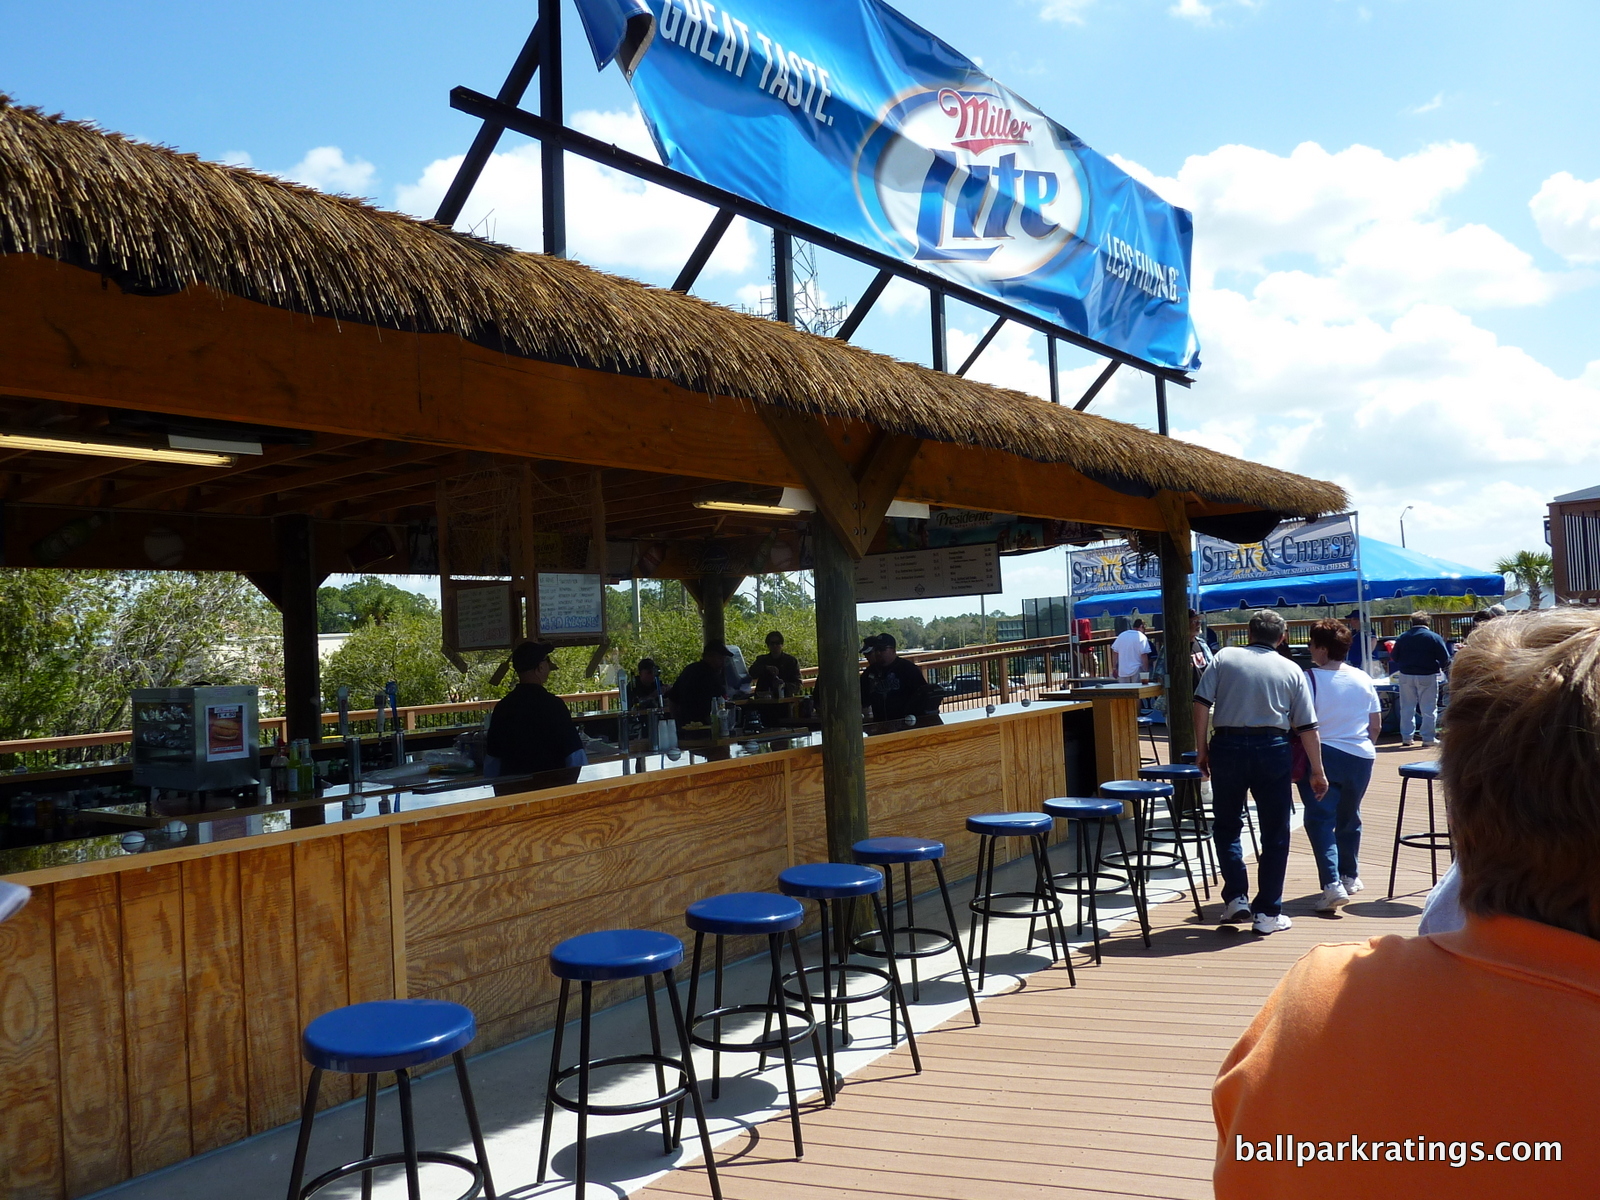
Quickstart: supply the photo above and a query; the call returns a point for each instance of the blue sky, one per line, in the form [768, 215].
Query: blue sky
[1387, 305]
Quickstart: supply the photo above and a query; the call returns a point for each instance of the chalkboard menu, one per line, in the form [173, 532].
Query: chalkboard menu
[571, 606]
[484, 616]
[924, 574]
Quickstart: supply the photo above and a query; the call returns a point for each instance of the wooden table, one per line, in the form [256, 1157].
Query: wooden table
[1116, 724]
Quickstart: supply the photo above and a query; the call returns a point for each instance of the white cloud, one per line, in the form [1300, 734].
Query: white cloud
[237, 158]
[1372, 222]
[1343, 347]
[1067, 12]
[1567, 212]
[613, 219]
[327, 169]
[1193, 10]
[1428, 106]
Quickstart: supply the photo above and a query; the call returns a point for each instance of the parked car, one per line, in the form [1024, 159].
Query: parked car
[963, 685]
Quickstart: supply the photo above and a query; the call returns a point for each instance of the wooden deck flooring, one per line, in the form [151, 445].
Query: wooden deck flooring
[1102, 1090]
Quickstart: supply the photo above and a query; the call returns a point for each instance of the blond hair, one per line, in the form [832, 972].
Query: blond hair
[1521, 768]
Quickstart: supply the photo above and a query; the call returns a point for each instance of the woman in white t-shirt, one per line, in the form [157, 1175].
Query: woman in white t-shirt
[1348, 719]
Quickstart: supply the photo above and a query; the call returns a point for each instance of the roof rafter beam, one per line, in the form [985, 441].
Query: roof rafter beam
[400, 481]
[144, 489]
[316, 476]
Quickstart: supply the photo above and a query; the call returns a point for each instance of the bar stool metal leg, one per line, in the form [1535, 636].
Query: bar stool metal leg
[955, 940]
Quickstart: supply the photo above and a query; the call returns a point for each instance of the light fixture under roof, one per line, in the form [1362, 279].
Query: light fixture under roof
[105, 448]
[749, 509]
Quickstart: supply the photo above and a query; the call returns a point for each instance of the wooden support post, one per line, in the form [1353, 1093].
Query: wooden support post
[844, 756]
[297, 600]
[1176, 564]
[713, 615]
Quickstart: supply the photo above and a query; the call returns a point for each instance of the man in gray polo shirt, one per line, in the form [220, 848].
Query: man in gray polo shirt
[1256, 699]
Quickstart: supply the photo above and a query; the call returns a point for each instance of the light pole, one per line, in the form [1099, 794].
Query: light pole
[1407, 509]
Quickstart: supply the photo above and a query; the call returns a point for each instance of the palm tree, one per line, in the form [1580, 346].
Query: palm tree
[1533, 572]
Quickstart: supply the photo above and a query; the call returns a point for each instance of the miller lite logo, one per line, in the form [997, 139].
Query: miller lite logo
[973, 181]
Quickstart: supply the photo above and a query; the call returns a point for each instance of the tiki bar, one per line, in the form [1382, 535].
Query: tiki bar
[208, 369]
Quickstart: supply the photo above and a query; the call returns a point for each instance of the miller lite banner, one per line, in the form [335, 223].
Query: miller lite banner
[849, 116]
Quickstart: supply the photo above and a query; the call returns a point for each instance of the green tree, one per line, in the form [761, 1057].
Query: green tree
[368, 601]
[406, 649]
[74, 644]
[1532, 570]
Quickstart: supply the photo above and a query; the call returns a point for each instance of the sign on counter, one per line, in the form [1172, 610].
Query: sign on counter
[925, 574]
[571, 605]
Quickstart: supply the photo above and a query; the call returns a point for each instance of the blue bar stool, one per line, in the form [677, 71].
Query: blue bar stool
[1147, 723]
[614, 954]
[1189, 756]
[1189, 817]
[1089, 870]
[758, 914]
[1433, 839]
[834, 886]
[924, 942]
[1146, 857]
[1043, 902]
[373, 1038]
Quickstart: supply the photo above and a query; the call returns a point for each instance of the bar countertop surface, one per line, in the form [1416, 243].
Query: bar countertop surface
[335, 806]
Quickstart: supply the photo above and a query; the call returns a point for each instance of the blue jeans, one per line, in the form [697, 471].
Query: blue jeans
[1257, 764]
[1333, 824]
[1419, 692]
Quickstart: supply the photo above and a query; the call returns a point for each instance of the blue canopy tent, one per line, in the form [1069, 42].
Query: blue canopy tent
[1386, 571]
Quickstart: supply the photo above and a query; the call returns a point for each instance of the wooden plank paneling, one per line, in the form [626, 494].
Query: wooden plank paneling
[484, 899]
[369, 955]
[94, 1078]
[271, 981]
[527, 938]
[157, 1013]
[629, 813]
[213, 968]
[30, 1064]
[319, 936]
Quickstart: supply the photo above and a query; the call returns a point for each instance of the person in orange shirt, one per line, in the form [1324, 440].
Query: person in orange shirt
[1462, 1064]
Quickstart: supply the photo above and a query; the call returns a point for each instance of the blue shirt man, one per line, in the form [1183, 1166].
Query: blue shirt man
[1421, 658]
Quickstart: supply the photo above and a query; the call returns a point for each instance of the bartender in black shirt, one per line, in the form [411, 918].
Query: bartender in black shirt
[774, 668]
[699, 684]
[892, 687]
[531, 730]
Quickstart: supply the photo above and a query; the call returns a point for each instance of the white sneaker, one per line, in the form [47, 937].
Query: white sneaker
[1266, 924]
[1333, 896]
[1352, 883]
[1237, 909]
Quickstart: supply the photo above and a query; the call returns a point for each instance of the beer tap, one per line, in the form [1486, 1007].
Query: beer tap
[392, 691]
[352, 745]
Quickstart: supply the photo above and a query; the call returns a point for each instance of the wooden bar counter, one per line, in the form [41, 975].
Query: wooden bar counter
[151, 1003]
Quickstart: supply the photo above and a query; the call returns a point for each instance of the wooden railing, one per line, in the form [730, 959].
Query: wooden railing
[103, 749]
[1451, 626]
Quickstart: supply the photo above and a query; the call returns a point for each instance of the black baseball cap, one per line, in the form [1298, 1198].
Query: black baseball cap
[529, 655]
[717, 648]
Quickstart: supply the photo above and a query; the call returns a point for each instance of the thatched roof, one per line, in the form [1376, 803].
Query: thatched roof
[157, 219]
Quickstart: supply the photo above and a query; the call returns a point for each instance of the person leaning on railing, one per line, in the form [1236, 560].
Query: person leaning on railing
[1475, 1043]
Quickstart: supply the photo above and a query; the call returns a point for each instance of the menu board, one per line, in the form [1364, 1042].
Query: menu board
[483, 617]
[925, 574]
[225, 732]
[571, 605]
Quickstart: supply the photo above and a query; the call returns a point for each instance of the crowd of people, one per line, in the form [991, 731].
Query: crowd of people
[532, 731]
